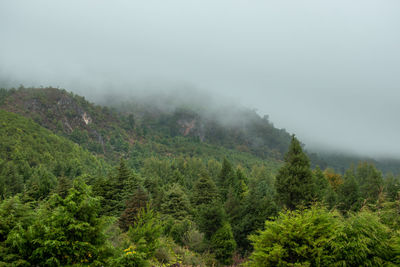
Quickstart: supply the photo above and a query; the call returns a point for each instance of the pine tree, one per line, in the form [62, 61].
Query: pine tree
[321, 184]
[69, 231]
[349, 193]
[226, 178]
[176, 203]
[205, 191]
[392, 187]
[370, 181]
[294, 182]
[138, 201]
[223, 245]
[210, 218]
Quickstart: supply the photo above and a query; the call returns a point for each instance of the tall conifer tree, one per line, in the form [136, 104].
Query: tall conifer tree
[294, 182]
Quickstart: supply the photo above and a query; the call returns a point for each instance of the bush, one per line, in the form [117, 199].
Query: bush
[317, 237]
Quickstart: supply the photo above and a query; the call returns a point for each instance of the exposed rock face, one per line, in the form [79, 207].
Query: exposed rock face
[191, 127]
[86, 118]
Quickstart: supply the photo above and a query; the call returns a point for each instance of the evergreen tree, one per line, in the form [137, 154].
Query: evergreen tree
[349, 193]
[321, 184]
[296, 238]
[258, 205]
[63, 186]
[15, 219]
[226, 178]
[205, 191]
[370, 181]
[392, 187]
[146, 232]
[176, 203]
[223, 245]
[294, 182]
[240, 187]
[41, 183]
[65, 231]
[210, 218]
[138, 201]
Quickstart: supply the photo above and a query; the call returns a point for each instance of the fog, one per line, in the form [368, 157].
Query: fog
[328, 71]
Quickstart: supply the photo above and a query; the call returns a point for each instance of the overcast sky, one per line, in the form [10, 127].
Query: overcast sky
[327, 70]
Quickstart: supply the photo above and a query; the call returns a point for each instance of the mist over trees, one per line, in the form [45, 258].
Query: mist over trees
[133, 186]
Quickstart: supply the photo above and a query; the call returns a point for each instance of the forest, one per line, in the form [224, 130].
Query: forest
[132, 184]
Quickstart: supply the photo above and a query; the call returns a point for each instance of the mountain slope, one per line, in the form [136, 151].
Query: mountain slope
[28, 150]
[140, 132]
[164, 127]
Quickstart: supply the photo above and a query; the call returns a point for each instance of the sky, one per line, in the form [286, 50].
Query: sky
[326, 70]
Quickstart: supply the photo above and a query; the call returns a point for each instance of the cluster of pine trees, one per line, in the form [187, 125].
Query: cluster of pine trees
[189, 212]
[61, 206]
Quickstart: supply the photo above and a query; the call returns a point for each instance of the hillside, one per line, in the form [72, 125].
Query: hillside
[30, 154]
[142, 131]
[164, 127]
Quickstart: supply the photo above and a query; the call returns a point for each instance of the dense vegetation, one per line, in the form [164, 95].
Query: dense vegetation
[171, 199]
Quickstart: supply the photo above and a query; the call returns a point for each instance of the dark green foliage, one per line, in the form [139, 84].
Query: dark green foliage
[349, 198]
[41, 183]
[226, 179]
[321, 184]
[138, 201]
[210, 218]
[63, 186]
[255, 208]
[204, 191]
[180, 229]
[223, 245]
[116, 189]
[294, 182]
[370, 181]
[392, 187]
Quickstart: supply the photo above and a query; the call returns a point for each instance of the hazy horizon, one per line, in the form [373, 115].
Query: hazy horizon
[326, 71]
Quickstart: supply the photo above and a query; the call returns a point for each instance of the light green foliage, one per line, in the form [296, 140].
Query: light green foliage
[176, 203]
[296, 238]
[364, 241]
[30, 152]
[130, 257]
[61, 232]
[294, 182]
[146, 232]
[70, 231]
[15, 218]
[317, 237]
